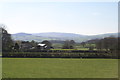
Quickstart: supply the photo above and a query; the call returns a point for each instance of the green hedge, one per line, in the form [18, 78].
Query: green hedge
[57, 55]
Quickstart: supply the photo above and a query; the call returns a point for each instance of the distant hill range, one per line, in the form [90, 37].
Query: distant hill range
[58, 36]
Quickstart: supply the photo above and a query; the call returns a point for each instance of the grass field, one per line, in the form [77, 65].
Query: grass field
[59, 68]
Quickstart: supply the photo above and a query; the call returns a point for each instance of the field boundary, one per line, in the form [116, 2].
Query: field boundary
[60, 79]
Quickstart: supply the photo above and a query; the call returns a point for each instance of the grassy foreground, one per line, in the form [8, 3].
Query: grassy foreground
[59, 68]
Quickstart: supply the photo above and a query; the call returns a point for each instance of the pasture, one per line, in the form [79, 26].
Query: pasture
[59, 68]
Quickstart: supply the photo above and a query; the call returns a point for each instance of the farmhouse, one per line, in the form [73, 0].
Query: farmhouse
[41, 46]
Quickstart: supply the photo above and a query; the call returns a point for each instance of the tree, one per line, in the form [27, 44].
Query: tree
[33, 43]
[83, 44]
[7, 41]
[66, 45]
[69, 44]
[91, 48]
[99, 44]
[16, 47]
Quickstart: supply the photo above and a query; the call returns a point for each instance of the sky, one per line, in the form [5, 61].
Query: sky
[87, 18]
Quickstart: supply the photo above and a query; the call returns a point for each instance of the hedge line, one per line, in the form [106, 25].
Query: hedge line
[68, 51]
[58, 55]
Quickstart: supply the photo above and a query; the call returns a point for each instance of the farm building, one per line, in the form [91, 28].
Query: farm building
[41, 46]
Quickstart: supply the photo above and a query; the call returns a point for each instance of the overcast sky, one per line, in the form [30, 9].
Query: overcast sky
[88, 18]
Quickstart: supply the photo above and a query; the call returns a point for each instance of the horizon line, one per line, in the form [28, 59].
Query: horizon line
[68, 33]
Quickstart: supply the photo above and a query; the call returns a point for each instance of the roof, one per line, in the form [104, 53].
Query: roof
[41, 44]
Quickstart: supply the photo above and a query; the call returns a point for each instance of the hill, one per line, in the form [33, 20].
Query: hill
[58, 36]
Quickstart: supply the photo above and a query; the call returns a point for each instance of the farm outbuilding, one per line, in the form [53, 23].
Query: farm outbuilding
[41, 46]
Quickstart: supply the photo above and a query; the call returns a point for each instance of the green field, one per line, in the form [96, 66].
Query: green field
[59, 68]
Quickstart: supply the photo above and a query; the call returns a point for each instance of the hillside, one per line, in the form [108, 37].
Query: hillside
[58, 36]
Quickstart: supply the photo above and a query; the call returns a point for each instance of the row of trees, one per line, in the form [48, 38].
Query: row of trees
[108, 44]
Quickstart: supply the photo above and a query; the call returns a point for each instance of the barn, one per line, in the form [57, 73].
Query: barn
[41, 46]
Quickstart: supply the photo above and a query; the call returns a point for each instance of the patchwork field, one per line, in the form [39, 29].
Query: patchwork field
[59, 68]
